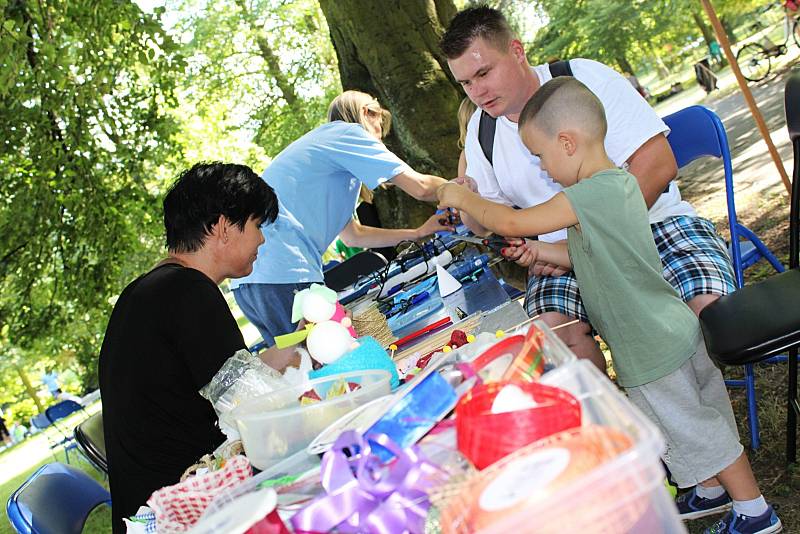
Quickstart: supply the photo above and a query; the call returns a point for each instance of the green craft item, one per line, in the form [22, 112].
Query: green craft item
[292, 338]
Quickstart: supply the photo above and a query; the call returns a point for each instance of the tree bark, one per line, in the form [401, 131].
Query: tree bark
[284, 83]
[29, 387]
[708, 35]
[390, 49]
[625, 65]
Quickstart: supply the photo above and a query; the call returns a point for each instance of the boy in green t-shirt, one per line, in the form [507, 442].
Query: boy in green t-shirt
[654, 337]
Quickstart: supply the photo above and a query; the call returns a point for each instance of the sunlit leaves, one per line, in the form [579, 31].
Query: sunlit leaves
[83, 91]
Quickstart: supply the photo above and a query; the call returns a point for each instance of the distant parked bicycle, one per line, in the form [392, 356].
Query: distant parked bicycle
[754, 58]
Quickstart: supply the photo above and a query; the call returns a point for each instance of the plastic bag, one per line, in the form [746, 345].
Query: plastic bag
[242, 376]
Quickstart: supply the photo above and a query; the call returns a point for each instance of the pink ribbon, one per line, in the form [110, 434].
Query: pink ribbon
[363, 495]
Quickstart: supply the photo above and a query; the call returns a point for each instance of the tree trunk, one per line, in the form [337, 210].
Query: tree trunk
[625, 65]
[390, 49]
[728, 29]
[284, 83]
[708, 34]
[662, 69]
[29, 387]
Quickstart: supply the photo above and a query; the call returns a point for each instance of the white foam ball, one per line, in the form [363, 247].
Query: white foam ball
[328, 341]
[317, 308]
[511, 399]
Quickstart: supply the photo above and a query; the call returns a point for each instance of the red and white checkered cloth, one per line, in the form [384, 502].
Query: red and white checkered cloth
[179, 507]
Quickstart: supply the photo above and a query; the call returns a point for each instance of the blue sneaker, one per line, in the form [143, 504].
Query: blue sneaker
[691, 506]
[766, 523]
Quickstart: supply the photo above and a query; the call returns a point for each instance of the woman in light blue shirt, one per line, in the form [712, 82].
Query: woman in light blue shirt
[317, 179]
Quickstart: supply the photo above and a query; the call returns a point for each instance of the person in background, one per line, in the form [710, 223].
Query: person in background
[634, 81]
[5, 435]
[18, 432]
[715, 53]
[50, 380]
[318, 178]
[465, 111]
[171, 330]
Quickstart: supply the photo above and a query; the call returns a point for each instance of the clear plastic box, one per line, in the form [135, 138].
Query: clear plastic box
[297, 466]
[557, 352]
[274, 426]
[623, 492]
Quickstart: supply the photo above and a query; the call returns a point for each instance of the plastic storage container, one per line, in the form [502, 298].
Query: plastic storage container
[298, 466]
[606, 479]
[619, 488]
[275, 426]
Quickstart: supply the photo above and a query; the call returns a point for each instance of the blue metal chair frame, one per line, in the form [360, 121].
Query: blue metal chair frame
[698, 132]
[42, 423]
[56, 499]
[59, 411]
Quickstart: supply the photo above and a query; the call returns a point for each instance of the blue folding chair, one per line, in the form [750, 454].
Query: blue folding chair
[41, 423]
[59, 411]
[62, 409]
[56, 499]
[697, 132]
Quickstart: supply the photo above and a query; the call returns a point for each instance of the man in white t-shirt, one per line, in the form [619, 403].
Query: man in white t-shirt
[489, 61]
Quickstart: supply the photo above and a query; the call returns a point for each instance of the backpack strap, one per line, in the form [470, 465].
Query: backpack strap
[486, 128]
[488, 124]
[560, 68]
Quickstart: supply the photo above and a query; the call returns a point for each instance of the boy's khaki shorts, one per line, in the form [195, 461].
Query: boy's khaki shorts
[692, 408]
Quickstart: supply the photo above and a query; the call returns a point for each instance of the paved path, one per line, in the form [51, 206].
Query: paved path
[757, 182]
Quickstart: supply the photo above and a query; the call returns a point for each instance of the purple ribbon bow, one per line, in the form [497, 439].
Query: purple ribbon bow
[363, 495]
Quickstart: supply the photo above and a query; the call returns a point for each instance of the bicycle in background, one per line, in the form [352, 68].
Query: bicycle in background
[754, 58]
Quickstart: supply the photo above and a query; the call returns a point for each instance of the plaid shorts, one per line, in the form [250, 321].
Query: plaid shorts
[694, 257]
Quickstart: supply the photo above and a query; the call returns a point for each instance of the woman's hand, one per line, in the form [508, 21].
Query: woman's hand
[435, 223]
[521, 251]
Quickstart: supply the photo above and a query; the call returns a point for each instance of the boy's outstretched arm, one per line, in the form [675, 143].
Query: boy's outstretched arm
[555, 214]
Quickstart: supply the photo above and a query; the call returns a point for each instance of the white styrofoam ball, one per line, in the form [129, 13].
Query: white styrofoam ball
[328, 341]
[511, 399]
[317, 308]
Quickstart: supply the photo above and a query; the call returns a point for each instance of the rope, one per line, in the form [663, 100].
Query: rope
[371, 322]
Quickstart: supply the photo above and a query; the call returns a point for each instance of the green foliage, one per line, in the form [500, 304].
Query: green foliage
[628, 34]
[83, 87]
[264, 70]
[100, 106]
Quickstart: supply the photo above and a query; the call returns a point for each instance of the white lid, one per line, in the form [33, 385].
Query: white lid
[238, 515]
[359, 419]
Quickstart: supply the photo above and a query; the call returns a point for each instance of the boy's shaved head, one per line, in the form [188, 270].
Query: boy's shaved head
[565, 103]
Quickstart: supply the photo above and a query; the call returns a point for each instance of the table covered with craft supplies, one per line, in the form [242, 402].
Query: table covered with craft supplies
[425, 401]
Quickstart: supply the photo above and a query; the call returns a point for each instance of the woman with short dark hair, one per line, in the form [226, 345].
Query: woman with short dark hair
[171, 330]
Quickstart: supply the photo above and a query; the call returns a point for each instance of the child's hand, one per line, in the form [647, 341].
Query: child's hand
[449, 194]
[467, 182]
[444, 194]
[542, 268]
